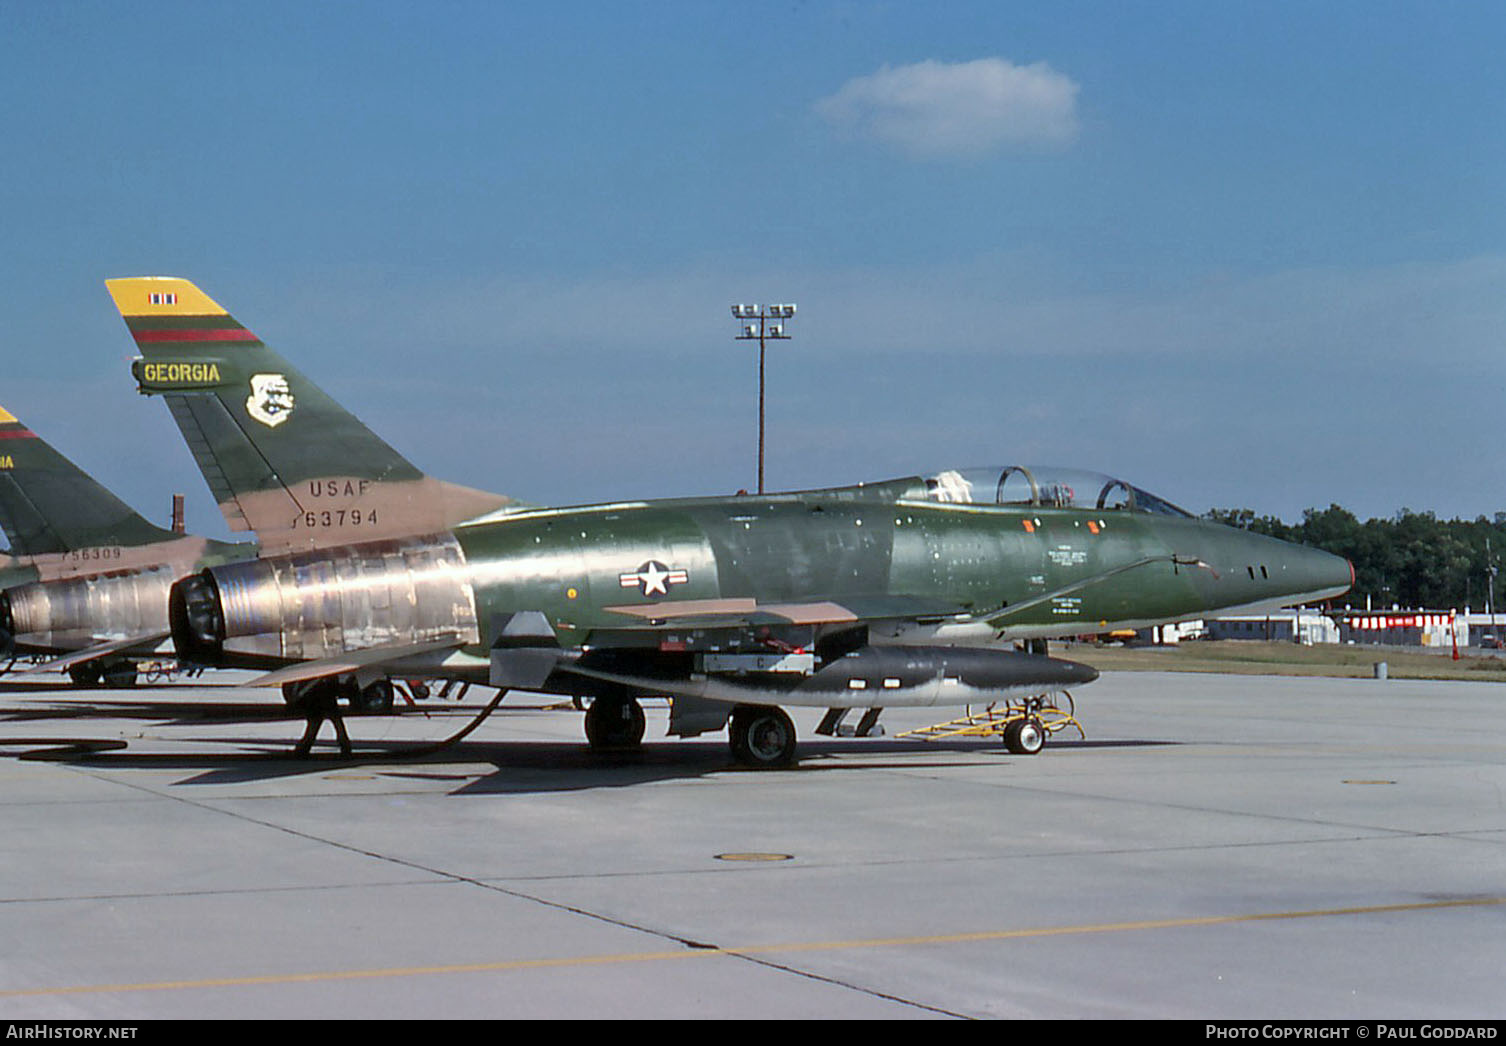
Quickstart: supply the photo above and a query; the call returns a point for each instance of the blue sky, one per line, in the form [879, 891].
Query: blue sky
[1241, 254]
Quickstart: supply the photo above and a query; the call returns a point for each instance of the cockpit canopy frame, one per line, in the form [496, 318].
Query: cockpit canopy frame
[1045, 486]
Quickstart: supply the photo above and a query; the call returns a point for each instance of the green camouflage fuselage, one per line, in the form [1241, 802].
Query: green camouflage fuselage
[823, 570]
[884, 555]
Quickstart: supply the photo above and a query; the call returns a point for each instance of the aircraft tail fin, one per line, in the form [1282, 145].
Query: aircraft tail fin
[49, 505]
[281, 457]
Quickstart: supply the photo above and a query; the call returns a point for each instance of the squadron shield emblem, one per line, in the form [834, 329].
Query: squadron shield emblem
[271, 401]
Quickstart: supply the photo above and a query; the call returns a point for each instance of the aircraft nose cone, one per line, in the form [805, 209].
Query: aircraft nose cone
[1265, 569]
[1325, 575]
[1071, 673]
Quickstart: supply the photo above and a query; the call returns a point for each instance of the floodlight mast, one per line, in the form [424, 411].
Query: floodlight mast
[762, 324]
[1490, 599]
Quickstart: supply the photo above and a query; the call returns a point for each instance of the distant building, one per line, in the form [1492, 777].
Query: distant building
[1312, 626]
[1485, 630]
[1433, 629]
[1428, 628]
[1176, 632]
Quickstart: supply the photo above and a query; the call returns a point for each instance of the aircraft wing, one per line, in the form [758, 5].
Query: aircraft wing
[99, 650]
[375, 658]
[733, 613]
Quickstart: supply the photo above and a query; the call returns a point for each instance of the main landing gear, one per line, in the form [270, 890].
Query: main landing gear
[95, 673]
[763, 736]
[320, 700]
[614, 723]
[376, 698]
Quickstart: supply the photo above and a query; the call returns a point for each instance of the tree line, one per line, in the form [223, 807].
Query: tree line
[1413, 559]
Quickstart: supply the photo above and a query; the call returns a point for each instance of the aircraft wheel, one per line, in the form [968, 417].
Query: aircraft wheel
[121, 673]
[376, 699]
[1025, 736]
[297, 694]
[614, 723]
[762, 736]
[86, 674]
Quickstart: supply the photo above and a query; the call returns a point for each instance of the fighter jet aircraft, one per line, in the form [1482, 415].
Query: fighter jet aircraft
[88, 574]
[868, 596]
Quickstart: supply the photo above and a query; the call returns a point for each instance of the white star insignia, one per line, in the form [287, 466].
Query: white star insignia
[653, 578]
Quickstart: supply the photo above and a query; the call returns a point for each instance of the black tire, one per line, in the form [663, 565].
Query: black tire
[762, 736]
[1025, 736]
[324, 689]
[615, 723]
[376, 699]
[86, 674]
[119, 674]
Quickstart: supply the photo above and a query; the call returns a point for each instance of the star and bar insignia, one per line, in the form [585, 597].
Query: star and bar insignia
[654, 578]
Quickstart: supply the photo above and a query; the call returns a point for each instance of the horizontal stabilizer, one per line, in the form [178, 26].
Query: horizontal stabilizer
[130, 644]
[376, 657]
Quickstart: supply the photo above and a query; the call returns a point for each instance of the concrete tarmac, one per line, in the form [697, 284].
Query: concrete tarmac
[1218, 847]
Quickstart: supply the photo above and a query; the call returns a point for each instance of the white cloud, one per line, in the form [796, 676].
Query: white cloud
[939, 109]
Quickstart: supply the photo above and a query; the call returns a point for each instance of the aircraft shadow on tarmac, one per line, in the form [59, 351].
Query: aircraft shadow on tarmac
[519, 766]
[58, 687]
[163, 713]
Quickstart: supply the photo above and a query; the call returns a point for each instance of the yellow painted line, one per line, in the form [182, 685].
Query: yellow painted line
[762, 949]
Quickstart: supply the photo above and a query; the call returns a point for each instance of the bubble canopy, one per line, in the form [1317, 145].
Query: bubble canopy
[1045, 486]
